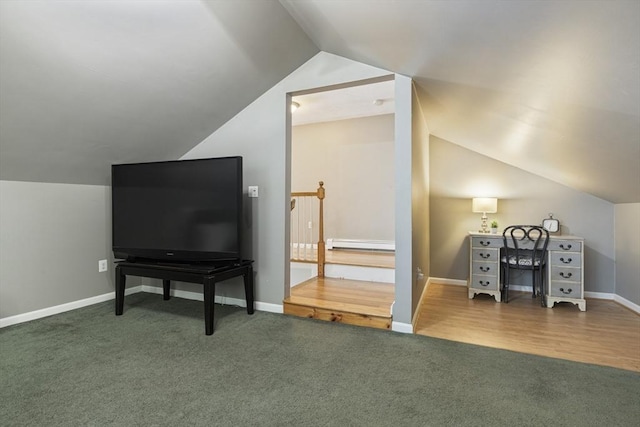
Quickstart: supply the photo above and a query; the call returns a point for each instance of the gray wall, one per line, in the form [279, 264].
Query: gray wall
[51, 238]
[88, 84]
[355, 159]
[458, 174]
[259, 134]
[627, 232]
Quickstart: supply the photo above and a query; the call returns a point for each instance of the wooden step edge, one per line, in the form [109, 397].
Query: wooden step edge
[358, 309]
[363, 265]
[339, 316]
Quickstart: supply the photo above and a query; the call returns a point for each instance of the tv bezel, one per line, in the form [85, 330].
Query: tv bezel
[156, 255]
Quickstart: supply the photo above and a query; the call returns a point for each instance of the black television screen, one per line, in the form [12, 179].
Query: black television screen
[182, 211]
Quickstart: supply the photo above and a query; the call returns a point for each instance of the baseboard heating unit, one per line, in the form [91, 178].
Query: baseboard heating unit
[373, 245]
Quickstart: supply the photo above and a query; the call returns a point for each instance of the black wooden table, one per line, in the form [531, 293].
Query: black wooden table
[207, 275]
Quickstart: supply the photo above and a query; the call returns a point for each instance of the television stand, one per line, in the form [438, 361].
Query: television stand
[207, 275]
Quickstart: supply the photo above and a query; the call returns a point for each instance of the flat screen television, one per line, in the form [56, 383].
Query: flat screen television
[185, 211]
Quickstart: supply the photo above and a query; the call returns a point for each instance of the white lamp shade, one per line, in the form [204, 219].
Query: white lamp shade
[484, 205]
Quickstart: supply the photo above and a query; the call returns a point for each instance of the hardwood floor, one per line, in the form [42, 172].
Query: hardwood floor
[606, 334]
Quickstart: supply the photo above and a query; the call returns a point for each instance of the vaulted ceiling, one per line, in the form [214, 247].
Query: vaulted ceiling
[84, 84]
[550, 87]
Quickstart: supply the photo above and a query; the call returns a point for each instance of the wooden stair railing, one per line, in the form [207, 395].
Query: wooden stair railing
[303, 202]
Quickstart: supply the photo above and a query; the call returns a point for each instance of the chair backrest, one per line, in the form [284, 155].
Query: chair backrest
[525, 246]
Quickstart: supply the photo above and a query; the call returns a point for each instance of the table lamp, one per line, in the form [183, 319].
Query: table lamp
[484, 205]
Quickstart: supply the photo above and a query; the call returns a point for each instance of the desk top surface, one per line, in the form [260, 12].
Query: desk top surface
[551, 236]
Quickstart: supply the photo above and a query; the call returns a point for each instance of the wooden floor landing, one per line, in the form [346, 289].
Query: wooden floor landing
[341, 300]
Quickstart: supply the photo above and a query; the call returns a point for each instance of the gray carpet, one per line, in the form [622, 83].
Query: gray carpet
[155, 366]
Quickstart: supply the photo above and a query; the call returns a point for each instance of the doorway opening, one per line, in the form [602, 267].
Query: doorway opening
[342, 141]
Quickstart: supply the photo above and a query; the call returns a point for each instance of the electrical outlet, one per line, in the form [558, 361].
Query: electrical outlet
[102, 266]
[253, 191]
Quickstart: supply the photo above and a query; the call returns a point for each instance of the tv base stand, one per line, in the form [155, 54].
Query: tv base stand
[208, 276]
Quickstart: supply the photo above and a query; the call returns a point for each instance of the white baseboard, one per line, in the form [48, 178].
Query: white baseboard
[57, 309]
[50, 311]
[595, 295]
[405, 328]
[626, 303]
[198, 296]
[269, 307]
[414, 320]
[379, 245]
[195, 296]
[444, 281]
[260, 306]
[599, 295]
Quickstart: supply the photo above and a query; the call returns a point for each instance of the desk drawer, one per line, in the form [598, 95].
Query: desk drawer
[565, 289]
[484, 281]
[484, 267]
[566, 259]
[568, 274]
[565, 245]
[482, 254]
[486, 242]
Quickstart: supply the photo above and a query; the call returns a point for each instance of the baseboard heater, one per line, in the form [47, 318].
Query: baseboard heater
[374, 245]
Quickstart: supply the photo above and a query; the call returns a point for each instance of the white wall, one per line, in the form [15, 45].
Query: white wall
[402, 308]
[51, 238]
[627, 234]
[355, 160]
[259, 134]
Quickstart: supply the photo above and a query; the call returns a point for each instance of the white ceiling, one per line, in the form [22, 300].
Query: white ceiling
[552, 87]
[357, 101]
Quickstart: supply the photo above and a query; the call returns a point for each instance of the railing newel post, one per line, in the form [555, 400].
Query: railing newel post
[298, 201]
[321, 247]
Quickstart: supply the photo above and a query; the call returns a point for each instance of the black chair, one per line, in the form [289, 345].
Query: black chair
[524, 248]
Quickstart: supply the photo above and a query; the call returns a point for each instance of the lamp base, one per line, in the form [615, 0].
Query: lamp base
[484, 228]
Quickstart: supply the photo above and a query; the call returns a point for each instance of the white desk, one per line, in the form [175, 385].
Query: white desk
[565, 271]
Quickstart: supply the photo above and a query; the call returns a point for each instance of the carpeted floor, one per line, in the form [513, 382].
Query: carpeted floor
[154, 366]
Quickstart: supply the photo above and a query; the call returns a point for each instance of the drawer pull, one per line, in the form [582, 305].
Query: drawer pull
[485, 243]
[567, 292]
[485, 269]
[485, 256]
[566, 261]
[484, 283]
[565, 275]
[565, 248]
